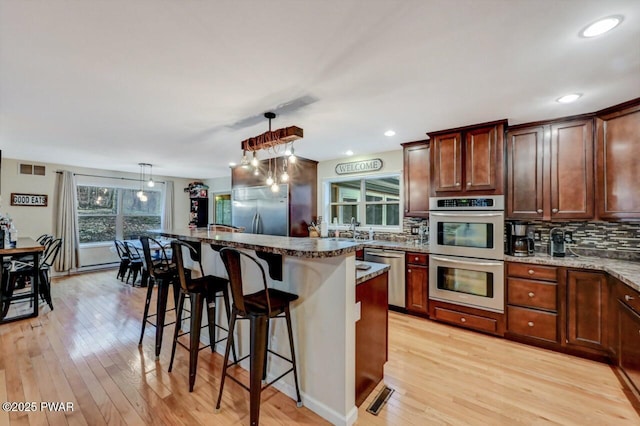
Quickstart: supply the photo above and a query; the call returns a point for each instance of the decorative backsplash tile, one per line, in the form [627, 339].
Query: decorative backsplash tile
[616, 240]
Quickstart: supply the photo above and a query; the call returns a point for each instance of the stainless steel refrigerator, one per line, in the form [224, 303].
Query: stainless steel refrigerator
[261, 211]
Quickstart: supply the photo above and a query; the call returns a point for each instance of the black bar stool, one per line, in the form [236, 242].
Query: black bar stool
[163, 273]
[259, 308]
[198, 289]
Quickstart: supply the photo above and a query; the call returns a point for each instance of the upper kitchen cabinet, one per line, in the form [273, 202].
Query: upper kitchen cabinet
[618, 164]
[468, 160]
[550, 170]
[416, 178]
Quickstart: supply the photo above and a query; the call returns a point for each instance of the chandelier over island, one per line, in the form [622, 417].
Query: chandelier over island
[272, 141]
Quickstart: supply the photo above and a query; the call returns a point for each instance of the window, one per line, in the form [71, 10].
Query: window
[222, 209]
[373, 201]
[106, 213]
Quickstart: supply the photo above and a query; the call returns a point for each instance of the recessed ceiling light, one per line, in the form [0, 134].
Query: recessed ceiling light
[567, 99]
[349, 152]
[232, 164]
[389, 133]
[601, 26]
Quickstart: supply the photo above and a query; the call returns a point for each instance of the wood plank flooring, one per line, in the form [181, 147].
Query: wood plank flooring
[86, 352]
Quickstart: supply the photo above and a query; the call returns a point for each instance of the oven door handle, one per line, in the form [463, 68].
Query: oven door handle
[465, 262]
[467, 214]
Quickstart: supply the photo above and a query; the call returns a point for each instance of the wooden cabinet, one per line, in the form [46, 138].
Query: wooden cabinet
[464, 316]
[532, 302]
[303, 176]
[628, 336]
[587, 313]
[371, 335]
[417, 283]
[618, 167]
[550, 173]
[416, 178]
[468, 160]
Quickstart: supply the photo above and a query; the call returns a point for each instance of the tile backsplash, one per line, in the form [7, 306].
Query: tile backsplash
[619, 240]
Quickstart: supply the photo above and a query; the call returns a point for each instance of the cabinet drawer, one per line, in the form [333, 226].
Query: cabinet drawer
[529, 322]
[417, 258]
[630, 297]
[534, 272]
[466, 320]
[534, 294]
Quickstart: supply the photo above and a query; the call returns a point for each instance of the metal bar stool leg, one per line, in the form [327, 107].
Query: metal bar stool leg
[163, 293]
[232, 325]
[256, 361]
[177, 329]
[227, 307]
[197, 300]
[147, 303]
[287, 315]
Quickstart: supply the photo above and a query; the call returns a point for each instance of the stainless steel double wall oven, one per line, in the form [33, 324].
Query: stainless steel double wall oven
[466, 262]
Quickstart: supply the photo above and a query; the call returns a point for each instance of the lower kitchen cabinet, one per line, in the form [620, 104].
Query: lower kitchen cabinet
[629, 339]
[417, 283]
[587, 302]
[464, 316]
[532, 303]
[371, 334]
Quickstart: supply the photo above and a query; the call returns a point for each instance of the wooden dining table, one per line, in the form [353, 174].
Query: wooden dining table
[26, 250]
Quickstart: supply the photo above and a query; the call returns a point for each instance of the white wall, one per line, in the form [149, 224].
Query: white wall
[392, 162]
[35, 221]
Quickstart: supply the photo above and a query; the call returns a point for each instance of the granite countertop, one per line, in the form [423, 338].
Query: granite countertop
[375, 270]
[289, 246]
[625, 270]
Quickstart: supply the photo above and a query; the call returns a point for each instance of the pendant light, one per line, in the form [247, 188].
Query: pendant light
[151, 183]
[140, 193]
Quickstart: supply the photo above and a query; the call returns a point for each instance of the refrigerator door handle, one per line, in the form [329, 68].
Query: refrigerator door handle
[253, 223]
[258, 220]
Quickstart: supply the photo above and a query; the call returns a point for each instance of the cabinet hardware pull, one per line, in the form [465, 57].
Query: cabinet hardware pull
[457, 183]
[531, 271]
[530, 323]
[463, 319]
[628, 298]
[539, 211]
[468, 183]
[416, 258]
[531, 294]
[409, 270]
[554, 210]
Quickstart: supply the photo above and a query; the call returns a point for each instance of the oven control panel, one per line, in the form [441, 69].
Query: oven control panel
[467, 203]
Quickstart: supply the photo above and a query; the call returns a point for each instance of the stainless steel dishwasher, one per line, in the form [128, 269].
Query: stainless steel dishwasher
[395, 259]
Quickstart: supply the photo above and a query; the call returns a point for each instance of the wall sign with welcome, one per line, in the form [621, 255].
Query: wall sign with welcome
[359, 166]
[31, 200]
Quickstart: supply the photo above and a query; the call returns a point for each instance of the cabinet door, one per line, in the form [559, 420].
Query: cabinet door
[618, 142]
[525, 153]
[417, 288]
[483, 158]
[572, 188]
[587, 309]
[630, 344]
[447, 162]
[416, 180]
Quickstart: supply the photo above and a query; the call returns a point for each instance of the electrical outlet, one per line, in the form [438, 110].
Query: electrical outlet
[415, 230]
[537, 235]
[568, 237]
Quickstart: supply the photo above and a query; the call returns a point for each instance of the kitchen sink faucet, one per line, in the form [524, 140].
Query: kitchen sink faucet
[352, 227]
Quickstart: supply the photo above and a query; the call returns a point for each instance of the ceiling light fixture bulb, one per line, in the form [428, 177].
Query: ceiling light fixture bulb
[139, 194]
[269, 179]
[349, 153]
[254, 160]
[284, 177]
[256, 172]
[232, 164]
[144, 198]
[601, 26]
[292, 156]
[389, 133]
[567, 99]
[275, 187]
[151, 183]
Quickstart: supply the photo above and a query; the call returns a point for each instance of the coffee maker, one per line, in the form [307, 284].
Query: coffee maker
[556, 241]
[518, 243]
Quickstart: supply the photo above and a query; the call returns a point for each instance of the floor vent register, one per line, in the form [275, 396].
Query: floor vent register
[378, 403]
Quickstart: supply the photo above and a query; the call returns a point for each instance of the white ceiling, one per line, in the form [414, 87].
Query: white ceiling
[109, 84]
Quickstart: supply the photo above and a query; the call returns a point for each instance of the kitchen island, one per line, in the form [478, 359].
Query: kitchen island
[322, 272]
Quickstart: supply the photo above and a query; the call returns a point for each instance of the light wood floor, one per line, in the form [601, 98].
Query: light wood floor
[86, 352]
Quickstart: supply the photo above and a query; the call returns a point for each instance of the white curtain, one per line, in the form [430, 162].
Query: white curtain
[66, 222]
[167, 211]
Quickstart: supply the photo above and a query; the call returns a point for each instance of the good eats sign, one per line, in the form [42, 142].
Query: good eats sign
[32, 200]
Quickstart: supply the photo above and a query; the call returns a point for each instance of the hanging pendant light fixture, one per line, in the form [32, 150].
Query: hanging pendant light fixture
[151, 183]
[140, 194]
